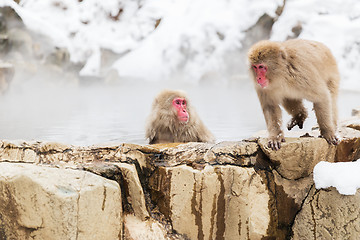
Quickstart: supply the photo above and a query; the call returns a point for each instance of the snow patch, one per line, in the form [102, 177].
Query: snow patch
[344, 176]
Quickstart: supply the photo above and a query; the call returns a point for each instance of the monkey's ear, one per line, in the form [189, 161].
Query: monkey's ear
[283, 54]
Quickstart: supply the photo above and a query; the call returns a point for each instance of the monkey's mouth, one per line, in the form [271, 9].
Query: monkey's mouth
[263, 82]
[184, 119]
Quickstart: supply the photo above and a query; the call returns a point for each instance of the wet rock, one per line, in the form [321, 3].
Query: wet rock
[298, 156]
[348, 149]
[353, 122]
[236, 153]
[136, 154]
[136, 229]
[222, 202]
[355, 112]
[57, 153]
[286, 198]
[296, 30]
[261, 30]
[326, 214]
[21, 40]
[134, 191]
[187, 153]
[4, 41]
[59, 57]
[354, 125]
[127, 177]
[54, 147]
[7, 18]
[39, 202]
[18, 151]
[295, 189]
[77, 155]
[6, 76]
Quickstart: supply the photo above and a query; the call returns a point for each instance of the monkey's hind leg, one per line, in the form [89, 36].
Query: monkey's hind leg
[333, 86]
[298, 112]
[323, 112]
[334, 110]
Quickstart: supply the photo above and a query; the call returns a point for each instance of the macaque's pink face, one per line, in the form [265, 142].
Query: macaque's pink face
[180, 106]
[260, 72]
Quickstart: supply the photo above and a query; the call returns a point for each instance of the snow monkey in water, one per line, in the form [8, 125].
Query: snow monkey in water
[287, 72]
[173, 119]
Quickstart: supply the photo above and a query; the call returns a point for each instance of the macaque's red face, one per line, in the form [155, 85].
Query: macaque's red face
[180, 106]
[260, 72]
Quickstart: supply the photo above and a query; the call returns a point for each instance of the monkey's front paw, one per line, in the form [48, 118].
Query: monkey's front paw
[331, 139]
[298, 120]
[275, 142]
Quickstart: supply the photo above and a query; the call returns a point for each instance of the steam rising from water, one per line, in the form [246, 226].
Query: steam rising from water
[45, 109]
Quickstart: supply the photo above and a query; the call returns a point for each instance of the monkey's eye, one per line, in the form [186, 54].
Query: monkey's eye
[177, 102]
[184, 102]
[254, 67]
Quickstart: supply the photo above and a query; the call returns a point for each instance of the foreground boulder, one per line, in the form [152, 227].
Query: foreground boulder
[298, 157]
[232, 192]
[223, 202]
[45, 203]
[326, 214]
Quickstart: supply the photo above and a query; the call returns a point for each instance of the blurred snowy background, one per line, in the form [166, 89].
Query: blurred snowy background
[86, 71]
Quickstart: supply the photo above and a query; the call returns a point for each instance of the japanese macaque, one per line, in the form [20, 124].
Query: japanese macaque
[284, 73]
[173, 119]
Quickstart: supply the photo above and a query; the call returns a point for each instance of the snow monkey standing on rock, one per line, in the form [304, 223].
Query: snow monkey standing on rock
[287, 72]
[173, 119]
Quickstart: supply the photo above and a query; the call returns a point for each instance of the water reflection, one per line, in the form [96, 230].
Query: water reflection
[117, 113]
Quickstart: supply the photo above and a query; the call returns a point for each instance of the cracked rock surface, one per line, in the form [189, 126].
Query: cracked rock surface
[326, 214]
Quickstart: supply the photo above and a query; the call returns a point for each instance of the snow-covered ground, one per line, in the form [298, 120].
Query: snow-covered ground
[344, 176]
[194, 37]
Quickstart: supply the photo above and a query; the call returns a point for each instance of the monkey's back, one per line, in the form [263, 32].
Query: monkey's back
[315, 62]
[312, 53]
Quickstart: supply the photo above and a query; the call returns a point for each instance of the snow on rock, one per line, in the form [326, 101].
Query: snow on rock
[86, 27]
[344, 176]
[193, 38]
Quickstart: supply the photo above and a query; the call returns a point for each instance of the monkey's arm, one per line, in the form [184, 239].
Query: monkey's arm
[206, 136]
[297, 110]
[272, 114]
[273, 121]
[150, 133]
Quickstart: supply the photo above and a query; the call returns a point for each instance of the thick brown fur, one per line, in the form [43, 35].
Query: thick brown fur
[163, 125]
[297, 69]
